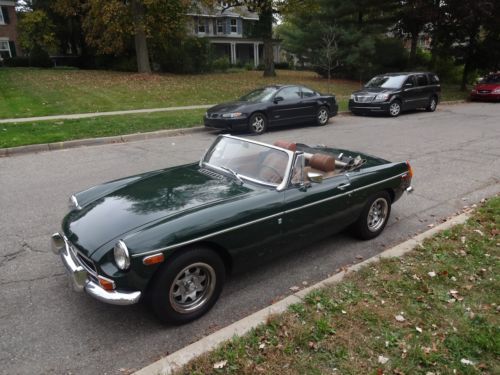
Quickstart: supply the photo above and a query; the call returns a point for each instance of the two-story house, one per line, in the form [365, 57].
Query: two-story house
[8, 30]
[232, 32]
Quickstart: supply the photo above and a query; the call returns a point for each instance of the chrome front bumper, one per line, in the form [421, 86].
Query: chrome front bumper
[82, 280]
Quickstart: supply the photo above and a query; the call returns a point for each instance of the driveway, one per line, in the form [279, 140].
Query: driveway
[47, 328]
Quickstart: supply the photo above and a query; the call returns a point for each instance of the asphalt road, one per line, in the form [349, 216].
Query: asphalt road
[46, 328]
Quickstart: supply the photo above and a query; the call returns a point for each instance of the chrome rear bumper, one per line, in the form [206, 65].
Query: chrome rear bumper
[81, 280]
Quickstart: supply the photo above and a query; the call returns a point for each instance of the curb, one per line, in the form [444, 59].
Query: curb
[173, 362]
[12, 151]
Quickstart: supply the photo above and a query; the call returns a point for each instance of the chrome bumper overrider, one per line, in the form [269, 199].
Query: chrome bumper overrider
[81, 279]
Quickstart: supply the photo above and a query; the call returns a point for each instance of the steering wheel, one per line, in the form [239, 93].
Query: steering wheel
[275, 177]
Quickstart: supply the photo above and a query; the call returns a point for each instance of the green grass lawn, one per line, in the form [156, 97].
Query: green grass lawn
[26, 92]
[433, 311]
[12, 135]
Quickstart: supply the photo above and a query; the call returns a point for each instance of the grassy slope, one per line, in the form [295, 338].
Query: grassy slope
[12, 135]
[344, 329]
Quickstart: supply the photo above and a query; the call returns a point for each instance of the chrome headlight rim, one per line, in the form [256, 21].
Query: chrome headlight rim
[232, 115]
[121, 255]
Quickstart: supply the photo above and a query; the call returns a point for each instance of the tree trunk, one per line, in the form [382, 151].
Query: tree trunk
[269, 58]
[413, 49]
[141, 43]
[463, 85]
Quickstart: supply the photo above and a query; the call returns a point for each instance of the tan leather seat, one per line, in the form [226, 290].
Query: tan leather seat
[322, 164]
[286, 145]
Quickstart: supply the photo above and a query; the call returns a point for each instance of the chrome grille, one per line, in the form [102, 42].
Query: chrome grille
[83, 260]
[364, 98]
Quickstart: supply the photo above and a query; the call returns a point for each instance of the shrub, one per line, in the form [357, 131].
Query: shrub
[248, 66]
[38, 58]
[188, 56]
[221, 64]
[282, 65]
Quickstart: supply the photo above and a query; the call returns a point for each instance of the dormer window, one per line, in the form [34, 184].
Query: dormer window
[220, 27]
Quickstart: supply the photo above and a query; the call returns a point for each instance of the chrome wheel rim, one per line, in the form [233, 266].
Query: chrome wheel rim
[322, 116]
[258, 124]
[377, 214]
[395, 108]
[192, 287]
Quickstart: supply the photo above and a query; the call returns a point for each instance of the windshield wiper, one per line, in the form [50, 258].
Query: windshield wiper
[236, 175]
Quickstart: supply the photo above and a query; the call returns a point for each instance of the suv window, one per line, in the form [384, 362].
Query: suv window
[307, 93]
[433, 79]
[290, 93]
[421, 80]
[410, 79]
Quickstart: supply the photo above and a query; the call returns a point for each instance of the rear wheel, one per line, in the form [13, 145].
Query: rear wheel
[257, 123]
[322, 116]
[374, 216]
[431, 107]
[188, 285]
[395, 108]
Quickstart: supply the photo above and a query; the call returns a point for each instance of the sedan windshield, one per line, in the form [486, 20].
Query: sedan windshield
[492, 79]
[387, 82]
[259, 95]
[247, 160]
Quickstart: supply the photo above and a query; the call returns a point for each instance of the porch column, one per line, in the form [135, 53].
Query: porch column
[256, 54]
[233, 53]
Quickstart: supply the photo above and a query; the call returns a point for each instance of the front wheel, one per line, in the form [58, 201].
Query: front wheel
[395, 108]
[322, 116]
[374, 216]
[432, 105]
[188, 285]
[257, 123]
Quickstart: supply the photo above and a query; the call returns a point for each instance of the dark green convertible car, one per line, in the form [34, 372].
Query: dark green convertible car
[171, 236]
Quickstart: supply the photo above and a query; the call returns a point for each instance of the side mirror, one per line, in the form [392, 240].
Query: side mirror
[315, 177]
[278, 99]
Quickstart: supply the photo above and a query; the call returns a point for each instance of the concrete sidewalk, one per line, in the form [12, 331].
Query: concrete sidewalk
[100, 114]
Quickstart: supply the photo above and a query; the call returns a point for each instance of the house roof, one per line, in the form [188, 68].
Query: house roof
[8, 3]
[198, 9]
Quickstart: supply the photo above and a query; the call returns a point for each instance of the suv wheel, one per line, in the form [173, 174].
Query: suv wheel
[432, 104]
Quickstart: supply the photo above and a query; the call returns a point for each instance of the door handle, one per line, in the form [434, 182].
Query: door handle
[343, 186]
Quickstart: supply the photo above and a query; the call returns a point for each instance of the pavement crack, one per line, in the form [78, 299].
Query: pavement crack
[2, 283]
[28, 247]
[11, 256]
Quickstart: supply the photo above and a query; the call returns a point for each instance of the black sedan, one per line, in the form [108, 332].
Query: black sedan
[272, 106]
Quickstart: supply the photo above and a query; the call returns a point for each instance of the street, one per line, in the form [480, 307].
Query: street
[47, 328]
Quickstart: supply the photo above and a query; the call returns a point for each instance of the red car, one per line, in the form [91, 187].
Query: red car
[487, 89]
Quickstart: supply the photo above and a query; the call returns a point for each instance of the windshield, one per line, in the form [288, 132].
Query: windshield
[247, 160]
[492, 79]
[387, 82]
[259, 95]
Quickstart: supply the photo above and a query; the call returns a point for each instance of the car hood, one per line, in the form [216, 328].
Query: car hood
[228, 107]
[372, 90]
[152, 197]
[487, 86]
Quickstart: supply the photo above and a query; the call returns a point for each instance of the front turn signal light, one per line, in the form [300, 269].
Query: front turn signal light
[106, 284]
[153, 259]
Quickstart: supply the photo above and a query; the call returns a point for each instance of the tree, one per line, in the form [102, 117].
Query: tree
[329, 53]
[36, 32]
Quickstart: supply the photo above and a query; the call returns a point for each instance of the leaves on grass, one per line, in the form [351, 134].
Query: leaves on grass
[220, 364]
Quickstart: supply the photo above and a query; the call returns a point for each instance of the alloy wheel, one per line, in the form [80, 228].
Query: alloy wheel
[322, 116]
[258, 124]
[394, 109]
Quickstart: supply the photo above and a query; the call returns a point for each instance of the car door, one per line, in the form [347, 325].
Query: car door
[287, 107]
[310, 102]
[423, 91]
[409, 94]
[317, 211]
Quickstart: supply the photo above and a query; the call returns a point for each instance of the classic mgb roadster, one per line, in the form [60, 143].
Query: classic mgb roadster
[170, 236]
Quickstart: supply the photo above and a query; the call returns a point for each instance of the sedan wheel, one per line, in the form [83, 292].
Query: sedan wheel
[188, 285]
[257, 123]
[395, 109]
[374, 216]
[322, 116]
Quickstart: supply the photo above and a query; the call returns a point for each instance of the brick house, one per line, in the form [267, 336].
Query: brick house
[9, 46]
[230, 32]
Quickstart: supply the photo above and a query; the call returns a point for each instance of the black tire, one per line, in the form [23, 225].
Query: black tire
[322, 116]
[257, 123]
[366, 227]
[395, 108]
[195, 267]
[433, 102]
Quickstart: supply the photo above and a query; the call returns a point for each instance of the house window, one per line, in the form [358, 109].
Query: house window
[5, 49]
[234, 27]
[201, 26]
[220, 27]
[2, 21]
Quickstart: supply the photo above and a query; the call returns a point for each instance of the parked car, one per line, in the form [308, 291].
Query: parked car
[394, 93]
[170, 236]
[272, 106]
[487, 89]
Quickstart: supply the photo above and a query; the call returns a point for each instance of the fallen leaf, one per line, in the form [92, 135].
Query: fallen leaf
[359, 257]
[420, 330]
[466, 361]
[294, 288]
[432, 274]
[262, 346]
[462, 239]
[479, 232]
[382, 360]
[430, 226]
[220, 364]
[400, 318]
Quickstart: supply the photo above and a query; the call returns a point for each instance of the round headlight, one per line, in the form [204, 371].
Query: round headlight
[122, 258]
